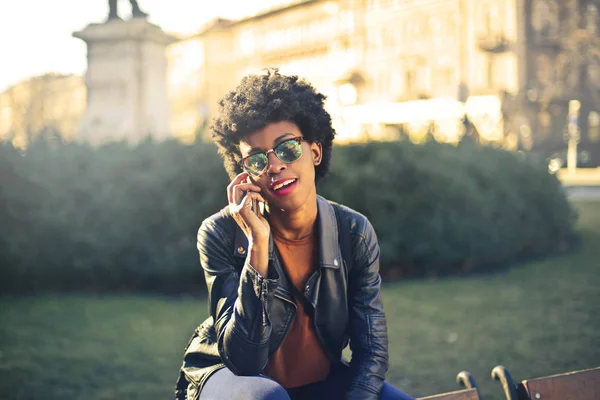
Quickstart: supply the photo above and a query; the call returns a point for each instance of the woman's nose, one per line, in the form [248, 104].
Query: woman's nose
[275, 165]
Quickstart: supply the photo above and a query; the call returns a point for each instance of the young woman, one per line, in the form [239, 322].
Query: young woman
[291, 277]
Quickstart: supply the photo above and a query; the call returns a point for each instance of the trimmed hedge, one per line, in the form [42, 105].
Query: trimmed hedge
[440, 209]
[110, 218]
[75, 217]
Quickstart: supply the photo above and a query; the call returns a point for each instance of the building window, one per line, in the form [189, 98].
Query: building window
[412, 30]
[424, 80]
[444, 78]
[490, 72]
[489, 20]
[545, 18]
[246, 42]
[374, 38]
[410, 81]
[434, 25]
[592, 18]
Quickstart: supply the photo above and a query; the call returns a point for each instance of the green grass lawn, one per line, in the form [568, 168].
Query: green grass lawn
[536, 319]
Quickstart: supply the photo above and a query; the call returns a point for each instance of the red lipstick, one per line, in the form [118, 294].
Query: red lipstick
[283, 187]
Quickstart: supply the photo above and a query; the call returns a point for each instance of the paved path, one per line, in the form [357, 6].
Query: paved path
[583, 192]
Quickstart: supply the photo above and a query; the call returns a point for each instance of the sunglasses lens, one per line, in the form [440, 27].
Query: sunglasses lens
[256, 163]
[288, 151]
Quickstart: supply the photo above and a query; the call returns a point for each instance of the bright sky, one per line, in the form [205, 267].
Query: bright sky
[35, 35]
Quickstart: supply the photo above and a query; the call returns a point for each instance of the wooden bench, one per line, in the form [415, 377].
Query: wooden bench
[466, 394]
[463, 379]
[577, 385]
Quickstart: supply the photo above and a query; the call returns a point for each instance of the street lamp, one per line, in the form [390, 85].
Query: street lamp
[462, 97]
[594, 126]
[574, 136]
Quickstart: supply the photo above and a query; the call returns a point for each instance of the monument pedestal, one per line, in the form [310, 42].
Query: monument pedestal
[126, 81]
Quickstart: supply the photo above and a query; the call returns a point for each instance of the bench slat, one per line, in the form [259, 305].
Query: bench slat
[578, 385]
[466, 394]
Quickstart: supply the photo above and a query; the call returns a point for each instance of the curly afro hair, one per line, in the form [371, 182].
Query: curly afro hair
[263, 99]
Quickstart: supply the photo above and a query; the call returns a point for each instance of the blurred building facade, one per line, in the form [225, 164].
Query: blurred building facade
[314, 39]
[397, 67]
[390, 68]
[384, 64]
[50, 104]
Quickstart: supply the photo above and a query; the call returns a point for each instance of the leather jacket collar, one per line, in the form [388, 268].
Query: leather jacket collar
[330, 253]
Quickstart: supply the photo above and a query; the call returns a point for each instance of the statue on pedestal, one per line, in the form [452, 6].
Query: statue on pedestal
[136, 12]
[119, 107]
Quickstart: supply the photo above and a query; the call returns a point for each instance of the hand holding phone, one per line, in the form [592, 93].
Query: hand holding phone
[245, 204]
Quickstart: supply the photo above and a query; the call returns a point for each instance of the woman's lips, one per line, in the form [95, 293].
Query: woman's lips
[286, 190]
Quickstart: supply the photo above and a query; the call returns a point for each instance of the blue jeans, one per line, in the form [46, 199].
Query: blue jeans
[224, 385]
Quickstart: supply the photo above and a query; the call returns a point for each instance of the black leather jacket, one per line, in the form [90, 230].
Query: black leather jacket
[250, 314]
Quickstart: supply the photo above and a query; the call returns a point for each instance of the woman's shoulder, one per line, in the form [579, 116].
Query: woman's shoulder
[220, 223]
[360, 233]
[354, 221]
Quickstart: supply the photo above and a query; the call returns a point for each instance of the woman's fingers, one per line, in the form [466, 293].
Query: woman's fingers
[253, 224]
[239, 186]
[240, 178]
[246, 203]
[239, 191]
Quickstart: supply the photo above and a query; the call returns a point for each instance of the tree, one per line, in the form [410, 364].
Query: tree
[568, 58]
[42, 105]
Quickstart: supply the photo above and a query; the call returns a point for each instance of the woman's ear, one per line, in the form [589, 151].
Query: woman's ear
[316, 152]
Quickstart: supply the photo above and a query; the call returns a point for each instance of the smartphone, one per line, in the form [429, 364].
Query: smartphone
[258, 207]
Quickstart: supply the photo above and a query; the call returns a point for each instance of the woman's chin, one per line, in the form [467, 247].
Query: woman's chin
[289, 204]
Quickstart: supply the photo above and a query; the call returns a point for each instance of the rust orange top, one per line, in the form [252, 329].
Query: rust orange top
[300, 359]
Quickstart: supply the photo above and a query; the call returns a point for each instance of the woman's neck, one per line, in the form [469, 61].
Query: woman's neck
[297, 224]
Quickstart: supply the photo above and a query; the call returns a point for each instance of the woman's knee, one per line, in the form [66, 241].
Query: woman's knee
[228, 386]
[266, 389]
[389, 392]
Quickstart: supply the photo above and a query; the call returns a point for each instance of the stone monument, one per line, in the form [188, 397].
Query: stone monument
[125, 79]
